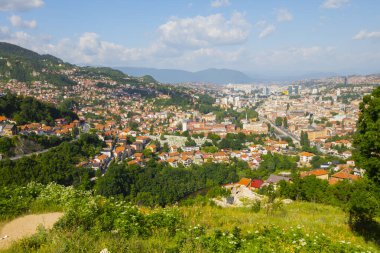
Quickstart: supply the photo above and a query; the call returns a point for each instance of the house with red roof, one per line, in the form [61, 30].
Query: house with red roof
[173, 162]
[345, 175]
[256, 183]
[305, 157]
[320, 174]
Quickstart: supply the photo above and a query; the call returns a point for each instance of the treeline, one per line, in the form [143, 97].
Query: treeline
[56, 165]
[27, 109]
[232, 141]
[275, 162]
[160, 184]
[177, 98]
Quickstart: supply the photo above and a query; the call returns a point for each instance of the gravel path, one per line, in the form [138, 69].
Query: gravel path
[25, 226]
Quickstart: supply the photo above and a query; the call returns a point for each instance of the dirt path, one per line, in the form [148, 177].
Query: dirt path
[25, 226]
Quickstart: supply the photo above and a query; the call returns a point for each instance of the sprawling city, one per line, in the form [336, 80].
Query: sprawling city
[186, 153]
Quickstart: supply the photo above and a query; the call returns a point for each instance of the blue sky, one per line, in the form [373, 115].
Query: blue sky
[264, 38]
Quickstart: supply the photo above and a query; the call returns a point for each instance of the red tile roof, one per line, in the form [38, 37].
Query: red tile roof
[256, 183]
[345, 175]
[244, 181]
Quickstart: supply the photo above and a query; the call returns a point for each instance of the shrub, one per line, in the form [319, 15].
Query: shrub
[256, 206]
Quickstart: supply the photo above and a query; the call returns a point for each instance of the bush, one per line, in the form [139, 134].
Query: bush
[364, 203]
[256, 206]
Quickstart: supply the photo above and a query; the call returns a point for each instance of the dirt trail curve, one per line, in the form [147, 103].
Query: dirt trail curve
[25, 226]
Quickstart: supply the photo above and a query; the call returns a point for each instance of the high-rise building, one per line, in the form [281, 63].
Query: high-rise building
[294, 90]
[266, 91]
[184, 125]
[290, 90]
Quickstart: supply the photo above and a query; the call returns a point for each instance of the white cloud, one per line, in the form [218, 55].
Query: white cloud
[364, 34]
[334, 4]
[20, 5]
[205, 31]
[284, 15]
[17, 21]
[306, 52]
[220, 3]
[294, 59]
[268, 30]
[265, 28]
[4, 32]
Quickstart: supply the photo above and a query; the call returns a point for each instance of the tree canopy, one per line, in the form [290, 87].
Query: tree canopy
[27, 109]
[367, 137]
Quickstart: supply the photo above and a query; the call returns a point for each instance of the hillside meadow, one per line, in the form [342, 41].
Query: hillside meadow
[93, 223]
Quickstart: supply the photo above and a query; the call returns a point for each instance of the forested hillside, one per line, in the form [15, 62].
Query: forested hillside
[27, 66]
[28, 109]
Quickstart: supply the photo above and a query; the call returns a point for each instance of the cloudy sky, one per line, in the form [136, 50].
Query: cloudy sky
[271, 37]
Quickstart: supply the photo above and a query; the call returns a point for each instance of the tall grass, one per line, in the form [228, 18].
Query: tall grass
[201, 227]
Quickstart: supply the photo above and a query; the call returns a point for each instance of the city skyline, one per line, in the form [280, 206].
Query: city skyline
[271, 38]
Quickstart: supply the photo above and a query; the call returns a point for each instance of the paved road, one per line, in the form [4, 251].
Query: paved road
[30, 154]
[294, 138]
[40, 152]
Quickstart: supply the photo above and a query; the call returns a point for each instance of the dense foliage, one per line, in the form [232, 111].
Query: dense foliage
[56, 165]
[27, 109]
[361, 198]
[161, 184]
[367, 137]
[6, 146]
[177, 98]
[274, 163]
[25, 144]
[92, 223]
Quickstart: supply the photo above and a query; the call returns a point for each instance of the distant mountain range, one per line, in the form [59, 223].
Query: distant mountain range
[216, 76]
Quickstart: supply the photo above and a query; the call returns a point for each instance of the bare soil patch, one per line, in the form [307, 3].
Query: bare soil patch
[26, 226]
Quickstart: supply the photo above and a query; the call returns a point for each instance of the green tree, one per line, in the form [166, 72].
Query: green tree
[278, 121]
[285, 122]
[165, 148]
[364, 204]
[147, 153]
[305, 142]
[114, 182]
[366, 140]
[6, 145]
[190, 142]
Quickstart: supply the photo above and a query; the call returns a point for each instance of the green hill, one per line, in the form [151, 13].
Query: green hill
[27, 66]
[28, 109]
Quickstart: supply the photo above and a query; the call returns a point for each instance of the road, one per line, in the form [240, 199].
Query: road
[38, 152]
[30, 154]
[294, 138]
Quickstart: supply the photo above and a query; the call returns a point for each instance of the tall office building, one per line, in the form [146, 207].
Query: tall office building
[266, 91]
[293, 90]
